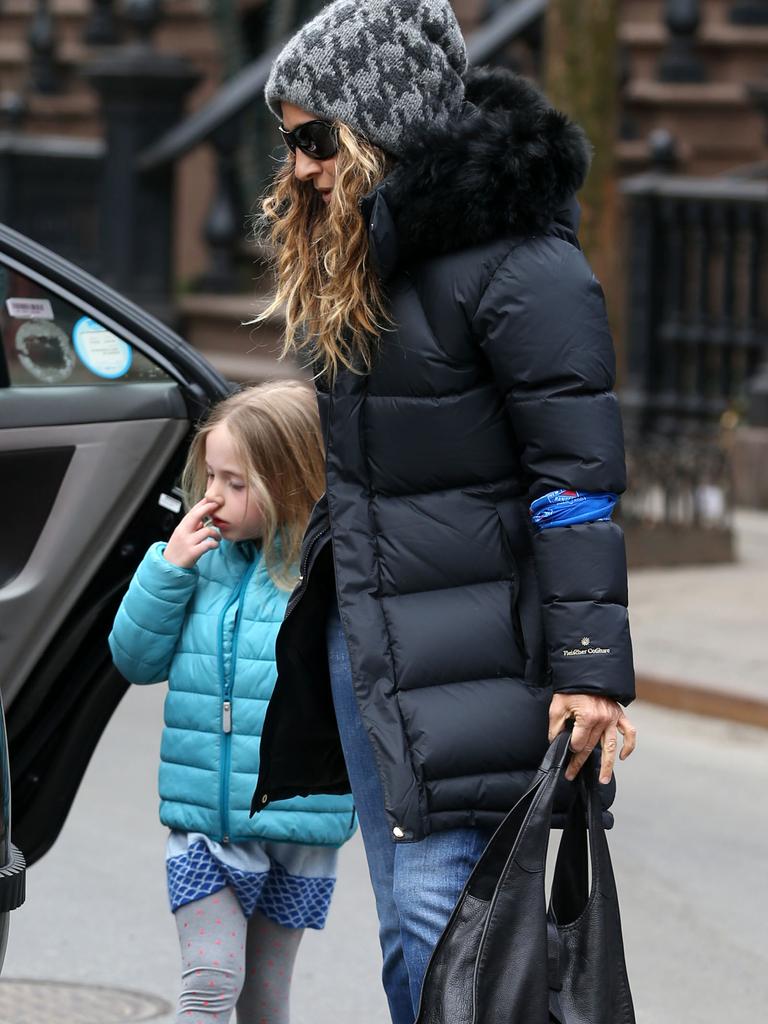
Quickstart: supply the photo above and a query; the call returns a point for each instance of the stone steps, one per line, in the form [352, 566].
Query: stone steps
[715, 123]
[730, 53]
[653, 10]
[216, 326]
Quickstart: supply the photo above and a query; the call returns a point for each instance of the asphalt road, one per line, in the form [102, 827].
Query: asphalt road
[690, 851]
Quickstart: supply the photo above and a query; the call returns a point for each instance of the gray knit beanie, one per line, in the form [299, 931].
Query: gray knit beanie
[385, 68]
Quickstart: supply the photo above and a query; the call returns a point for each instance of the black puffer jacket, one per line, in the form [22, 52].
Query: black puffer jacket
[494, 388]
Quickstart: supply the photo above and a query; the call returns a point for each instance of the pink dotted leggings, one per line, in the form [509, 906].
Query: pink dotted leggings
[230, 961]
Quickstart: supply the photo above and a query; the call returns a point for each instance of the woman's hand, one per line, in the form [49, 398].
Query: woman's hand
[595, 720]
[191, 538]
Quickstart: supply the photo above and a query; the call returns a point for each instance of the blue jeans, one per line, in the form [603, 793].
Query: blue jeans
[416, 885]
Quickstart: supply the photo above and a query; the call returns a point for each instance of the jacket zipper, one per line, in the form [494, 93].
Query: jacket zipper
[310, 548]
[304, 570]
[227, 684]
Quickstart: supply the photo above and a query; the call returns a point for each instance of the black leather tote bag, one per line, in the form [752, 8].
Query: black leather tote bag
[504, 957]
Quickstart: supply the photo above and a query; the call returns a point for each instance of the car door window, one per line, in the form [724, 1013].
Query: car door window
[48, 342]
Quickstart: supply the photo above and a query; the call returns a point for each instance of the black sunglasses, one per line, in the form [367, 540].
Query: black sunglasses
[317, 139]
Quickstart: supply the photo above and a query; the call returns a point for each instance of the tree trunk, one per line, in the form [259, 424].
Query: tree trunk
[582, 79]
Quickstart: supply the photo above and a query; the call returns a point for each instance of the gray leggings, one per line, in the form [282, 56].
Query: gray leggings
[230, 961]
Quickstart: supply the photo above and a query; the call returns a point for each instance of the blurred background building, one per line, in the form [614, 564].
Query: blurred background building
[134, 141]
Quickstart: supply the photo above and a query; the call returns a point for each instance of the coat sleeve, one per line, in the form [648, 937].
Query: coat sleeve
[148, 623]
[542, 325]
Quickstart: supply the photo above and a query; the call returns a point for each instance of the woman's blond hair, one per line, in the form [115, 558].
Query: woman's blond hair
[333, 301]
[275, 429]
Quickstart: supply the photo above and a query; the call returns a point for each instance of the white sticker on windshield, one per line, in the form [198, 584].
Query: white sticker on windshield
[101, 351]
[29, 309]
[44, 351]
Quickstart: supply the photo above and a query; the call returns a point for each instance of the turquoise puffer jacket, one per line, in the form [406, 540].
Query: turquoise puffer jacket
[210, 631]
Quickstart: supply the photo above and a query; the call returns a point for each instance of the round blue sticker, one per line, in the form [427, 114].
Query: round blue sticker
[101, 351]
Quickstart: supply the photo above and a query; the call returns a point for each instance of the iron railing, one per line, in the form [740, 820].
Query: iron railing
[67, 172]
[698, 299]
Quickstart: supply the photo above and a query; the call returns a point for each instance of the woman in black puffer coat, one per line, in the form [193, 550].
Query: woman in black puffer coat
[428, 261]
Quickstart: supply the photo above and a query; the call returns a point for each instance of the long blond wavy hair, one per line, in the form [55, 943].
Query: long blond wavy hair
[332, 299]
[275, 429]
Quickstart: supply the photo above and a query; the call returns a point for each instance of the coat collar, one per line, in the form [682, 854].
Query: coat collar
[511, 164]
[238, 551]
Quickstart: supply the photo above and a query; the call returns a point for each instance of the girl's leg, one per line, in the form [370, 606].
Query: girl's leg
[212, 935]
[270, 953]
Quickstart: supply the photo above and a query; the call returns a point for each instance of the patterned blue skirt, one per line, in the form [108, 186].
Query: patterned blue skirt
[289, 883]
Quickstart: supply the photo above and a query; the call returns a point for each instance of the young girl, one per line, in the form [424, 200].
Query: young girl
[203, 612]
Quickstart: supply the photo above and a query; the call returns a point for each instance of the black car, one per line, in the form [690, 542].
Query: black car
[97, 401]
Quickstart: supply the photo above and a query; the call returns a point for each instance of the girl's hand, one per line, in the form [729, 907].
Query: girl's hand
[191, 538]
[595, 720]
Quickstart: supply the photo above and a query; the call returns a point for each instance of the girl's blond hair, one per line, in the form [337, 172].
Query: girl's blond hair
[333, 301]
[275, 429]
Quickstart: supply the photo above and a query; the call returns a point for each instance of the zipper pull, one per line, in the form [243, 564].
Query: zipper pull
[226, 716]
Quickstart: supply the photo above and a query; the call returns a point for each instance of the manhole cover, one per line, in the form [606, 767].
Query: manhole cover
[51, 1002]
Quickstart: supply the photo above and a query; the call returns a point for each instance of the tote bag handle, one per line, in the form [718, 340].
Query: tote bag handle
[525, 830]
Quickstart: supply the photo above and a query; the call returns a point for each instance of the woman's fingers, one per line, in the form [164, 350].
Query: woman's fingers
[559, 714]
[578, 761]
[608, 757]
[596, 721]
[629, 734]
[609, 743]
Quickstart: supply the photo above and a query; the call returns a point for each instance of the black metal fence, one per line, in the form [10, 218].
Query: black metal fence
[50, 190]
[698, 301]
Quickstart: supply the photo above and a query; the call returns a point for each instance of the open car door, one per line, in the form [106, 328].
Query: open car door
[97, 399]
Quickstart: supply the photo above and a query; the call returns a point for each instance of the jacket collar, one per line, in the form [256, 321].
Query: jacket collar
[240, 550]
[511, 164]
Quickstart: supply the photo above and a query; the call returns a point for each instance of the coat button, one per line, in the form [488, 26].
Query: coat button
[264, 799]
[398, 833]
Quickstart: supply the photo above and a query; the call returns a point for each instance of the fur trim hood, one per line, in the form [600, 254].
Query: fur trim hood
[506, 167]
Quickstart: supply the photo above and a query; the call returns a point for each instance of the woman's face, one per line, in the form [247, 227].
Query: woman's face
[321, 174]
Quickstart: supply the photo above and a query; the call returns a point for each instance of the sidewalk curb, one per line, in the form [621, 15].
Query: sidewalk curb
[702, 701]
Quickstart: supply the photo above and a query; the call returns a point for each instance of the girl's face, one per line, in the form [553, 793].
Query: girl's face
[238, 516]
[321, 174]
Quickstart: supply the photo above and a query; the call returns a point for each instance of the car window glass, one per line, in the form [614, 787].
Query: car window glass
[49, 342]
